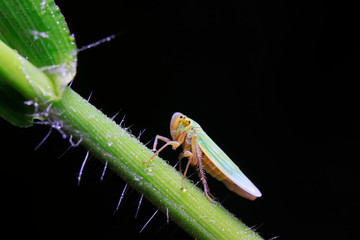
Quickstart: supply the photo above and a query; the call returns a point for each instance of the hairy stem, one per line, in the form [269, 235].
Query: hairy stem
[158, 181]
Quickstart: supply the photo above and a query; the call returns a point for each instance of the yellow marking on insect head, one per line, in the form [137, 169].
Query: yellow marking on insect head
[186, 121]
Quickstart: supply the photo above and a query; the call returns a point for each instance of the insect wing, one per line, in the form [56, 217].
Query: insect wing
[225, 164]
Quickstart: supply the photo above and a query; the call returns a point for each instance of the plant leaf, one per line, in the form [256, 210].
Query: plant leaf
[37, 31]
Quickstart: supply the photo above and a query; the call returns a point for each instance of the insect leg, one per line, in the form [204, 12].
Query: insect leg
[181, 156]
[189, 155]
[197, 155]
[165, 139]
[175, 145]
[203, 180]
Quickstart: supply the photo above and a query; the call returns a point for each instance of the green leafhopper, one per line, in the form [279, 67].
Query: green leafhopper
[202, 151]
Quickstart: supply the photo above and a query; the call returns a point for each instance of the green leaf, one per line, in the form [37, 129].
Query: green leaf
[37, 31]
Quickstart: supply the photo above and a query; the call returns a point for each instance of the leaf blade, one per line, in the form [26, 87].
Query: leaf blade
[37, 31]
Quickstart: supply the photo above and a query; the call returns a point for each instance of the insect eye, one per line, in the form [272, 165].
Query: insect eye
[186, 122]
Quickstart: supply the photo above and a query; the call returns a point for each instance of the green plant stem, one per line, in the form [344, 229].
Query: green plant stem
[159, 182]
[20, 74]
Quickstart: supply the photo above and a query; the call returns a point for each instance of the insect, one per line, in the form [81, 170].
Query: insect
[201, 151]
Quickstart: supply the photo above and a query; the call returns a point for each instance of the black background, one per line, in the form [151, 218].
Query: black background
[273, 84]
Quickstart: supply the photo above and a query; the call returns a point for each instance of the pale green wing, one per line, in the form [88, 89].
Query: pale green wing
[224, 163]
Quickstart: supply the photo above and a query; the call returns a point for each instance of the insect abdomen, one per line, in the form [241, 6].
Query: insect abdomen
[210, 168]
